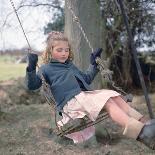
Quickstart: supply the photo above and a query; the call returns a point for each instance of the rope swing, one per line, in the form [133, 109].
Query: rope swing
[105, 72]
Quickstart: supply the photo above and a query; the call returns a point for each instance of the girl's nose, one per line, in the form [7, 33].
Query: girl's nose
[63, 52]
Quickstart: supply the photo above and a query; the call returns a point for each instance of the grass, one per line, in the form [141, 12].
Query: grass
[9, 69]
[8, 58]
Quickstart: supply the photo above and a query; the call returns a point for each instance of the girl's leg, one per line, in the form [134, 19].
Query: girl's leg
[116, 113]
[131, 126]
[127, 108]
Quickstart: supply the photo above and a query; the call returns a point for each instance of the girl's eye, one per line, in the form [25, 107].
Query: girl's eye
[61, 50]
[67, 50]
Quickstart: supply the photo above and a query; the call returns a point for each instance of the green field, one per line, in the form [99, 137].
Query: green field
[9, 69]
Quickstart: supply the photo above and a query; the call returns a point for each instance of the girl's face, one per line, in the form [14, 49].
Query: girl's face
[60, 51]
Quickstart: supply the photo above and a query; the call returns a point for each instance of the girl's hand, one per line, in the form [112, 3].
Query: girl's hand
[94, 55]
[32, 61]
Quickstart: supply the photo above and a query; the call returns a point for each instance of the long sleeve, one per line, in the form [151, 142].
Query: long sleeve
[90, 74]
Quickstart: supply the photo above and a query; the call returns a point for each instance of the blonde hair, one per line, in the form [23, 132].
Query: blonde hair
[52, 37]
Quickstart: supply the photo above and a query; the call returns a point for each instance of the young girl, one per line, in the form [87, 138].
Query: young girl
[71, 90]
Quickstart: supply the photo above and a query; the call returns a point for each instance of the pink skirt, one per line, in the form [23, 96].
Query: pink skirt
[88, 103]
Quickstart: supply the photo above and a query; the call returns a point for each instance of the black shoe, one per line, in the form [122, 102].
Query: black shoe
[147, 135]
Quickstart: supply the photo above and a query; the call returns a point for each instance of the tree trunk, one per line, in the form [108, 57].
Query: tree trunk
[89, 16]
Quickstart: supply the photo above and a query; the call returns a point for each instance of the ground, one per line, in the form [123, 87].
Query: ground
[25, 120]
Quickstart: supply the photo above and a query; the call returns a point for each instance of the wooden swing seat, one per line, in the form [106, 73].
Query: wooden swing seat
[79, 124]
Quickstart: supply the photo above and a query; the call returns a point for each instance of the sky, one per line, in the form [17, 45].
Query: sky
[33, 21]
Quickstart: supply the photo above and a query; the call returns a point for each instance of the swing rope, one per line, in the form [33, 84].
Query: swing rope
[13, 6]
[76, 19]
[30, 51]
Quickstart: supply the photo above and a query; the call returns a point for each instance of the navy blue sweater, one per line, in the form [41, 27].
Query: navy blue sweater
[65, 80]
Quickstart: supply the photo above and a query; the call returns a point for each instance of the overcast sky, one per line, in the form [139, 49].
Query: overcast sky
[33, 21]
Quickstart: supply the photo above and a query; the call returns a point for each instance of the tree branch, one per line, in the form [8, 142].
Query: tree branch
[41, 4]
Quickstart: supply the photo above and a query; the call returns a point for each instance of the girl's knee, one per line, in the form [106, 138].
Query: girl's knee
[109, 103]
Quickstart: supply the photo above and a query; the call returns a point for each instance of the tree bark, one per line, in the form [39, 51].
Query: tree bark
[88, 13]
